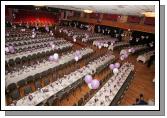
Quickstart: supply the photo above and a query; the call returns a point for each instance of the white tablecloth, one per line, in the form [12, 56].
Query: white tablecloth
[146, 56]
[17, 76]
[67, 80]
[20, 55]
[107, 93]
[112, 46]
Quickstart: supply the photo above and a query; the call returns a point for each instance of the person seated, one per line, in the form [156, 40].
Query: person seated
[142, 102]
[137, 101]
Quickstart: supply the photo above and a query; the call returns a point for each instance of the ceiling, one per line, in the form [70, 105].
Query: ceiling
[136, 10]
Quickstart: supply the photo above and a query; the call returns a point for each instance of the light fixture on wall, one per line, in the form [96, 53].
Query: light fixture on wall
[39, 5]
[149, 14]
[88, 11]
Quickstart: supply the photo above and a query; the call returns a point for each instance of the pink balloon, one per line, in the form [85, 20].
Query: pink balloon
[52, 46]
[6, 49]
[117, 65]
[76, 58]
[88, 79]
[56, 56]
[95, 84]
[51, 58]
[51, 43]
[111, 66]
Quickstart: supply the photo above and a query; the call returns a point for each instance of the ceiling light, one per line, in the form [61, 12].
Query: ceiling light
[39, 5]
[149, 14]
[88, 11]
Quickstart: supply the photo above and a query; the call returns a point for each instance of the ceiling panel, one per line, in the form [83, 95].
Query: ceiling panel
[110, 9]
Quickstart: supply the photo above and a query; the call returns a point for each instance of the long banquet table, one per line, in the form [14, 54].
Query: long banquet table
[110, 93]
[146, 56]
[55, 87]
[17, 76]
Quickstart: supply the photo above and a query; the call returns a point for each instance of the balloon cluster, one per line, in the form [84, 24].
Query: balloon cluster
[151, 44]
[131, 50]
[123, 55]
[47, 28]
[7, 34]
[74, 38]
[115, 67]
[92, 83]
[51, 33]
[52, 45]
[86, 36]
[77, 55]
[99, 46]
[37, 27]
[10, 49]
[105, 45]
[54, 57]
[33, 33]
[142, 37]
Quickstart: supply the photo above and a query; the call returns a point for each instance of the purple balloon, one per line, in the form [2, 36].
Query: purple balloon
[77, 53]
[11, 48]
[111, 66]
[132, 50]
[12, 51]
[51, 58]
[117, 65]
[80, 56]
[125, 56]
[88, 79]
[95, 84]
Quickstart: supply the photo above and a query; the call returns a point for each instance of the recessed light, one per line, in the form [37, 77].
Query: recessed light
[88, 11]
[149, 14]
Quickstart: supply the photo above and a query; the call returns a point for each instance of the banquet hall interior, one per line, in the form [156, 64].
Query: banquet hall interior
[79, 55]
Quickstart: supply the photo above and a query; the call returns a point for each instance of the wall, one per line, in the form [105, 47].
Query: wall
[33, 17]
[132, 26]
[125, 22]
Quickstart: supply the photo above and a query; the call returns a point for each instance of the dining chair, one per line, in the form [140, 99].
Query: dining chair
[11, 62]
[27, 89]
[6, 66]
[37, 85]
[21, 83]
[11, 87]
[29, 79]
[15, 95]
[23, 60]
[80, 102]
[46, 82]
